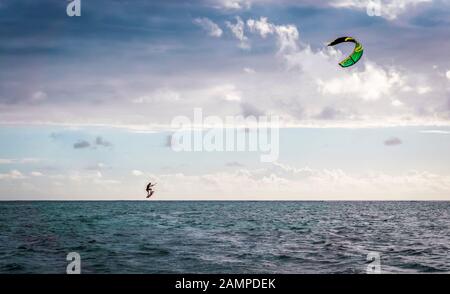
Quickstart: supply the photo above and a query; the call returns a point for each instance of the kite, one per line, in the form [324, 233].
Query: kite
[356, 54]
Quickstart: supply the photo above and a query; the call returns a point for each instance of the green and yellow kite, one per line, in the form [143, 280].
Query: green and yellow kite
[356, 54]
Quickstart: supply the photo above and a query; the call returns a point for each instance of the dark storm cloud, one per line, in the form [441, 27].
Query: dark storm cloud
[99, 141]
[39, 37]
[250, 110]
[81, 144]
[56, 136]
[39, 27]
[42, 27]
[394, 141]
[329, 113]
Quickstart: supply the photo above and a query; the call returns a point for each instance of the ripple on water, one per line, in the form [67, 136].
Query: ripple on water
[215, 237]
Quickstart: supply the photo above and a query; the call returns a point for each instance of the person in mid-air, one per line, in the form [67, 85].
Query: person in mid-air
[149, 189]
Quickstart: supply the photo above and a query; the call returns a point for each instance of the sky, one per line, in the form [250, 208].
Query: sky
[87, 102]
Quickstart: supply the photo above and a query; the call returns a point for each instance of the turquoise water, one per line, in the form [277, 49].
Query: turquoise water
[224, 237]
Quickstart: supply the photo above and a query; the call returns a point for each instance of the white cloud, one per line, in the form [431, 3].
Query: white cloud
[233, 4]
[27, 160]
[36, 174]
[226, 92]
[38, 96]
[283, 182]
[77, 180]
[287, 35]
[98, 166]
[372, 83]
[12, 175]
[261, 26]
[137, 173]
[158, 96]
[30, 160]
[209, 26]
[389, 9]
[274, 181]
[423, 90]
[311, 84]
[301, 84]
[237, 30]
[249, 70]
[440, 132]
[397, 103]
[447, 74]
[78, 176]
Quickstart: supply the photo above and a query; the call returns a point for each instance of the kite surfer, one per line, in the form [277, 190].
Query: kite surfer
[149, 189]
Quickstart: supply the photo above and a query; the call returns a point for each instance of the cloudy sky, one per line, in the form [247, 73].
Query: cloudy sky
[86, 103]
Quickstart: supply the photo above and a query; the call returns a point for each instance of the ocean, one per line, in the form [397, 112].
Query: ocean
[224, 237]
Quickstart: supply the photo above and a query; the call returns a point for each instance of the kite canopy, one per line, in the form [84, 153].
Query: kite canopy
[356, 54]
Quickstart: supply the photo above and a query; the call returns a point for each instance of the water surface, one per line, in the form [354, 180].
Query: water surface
[224, 237]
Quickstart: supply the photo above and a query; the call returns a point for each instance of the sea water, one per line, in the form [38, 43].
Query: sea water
[224, 237]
